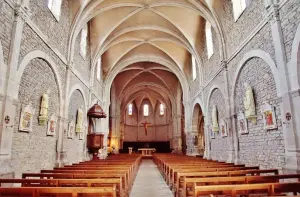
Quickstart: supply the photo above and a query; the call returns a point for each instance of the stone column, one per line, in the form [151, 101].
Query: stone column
[64, 121]
[8, 104]
[188, 128]
[229, 121]
[286, 106]
[115, 135]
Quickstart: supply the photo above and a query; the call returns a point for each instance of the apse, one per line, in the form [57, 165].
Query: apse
[144, 99]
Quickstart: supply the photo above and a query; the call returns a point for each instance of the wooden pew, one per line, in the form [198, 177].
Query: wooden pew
[188, 183]
[174, 172]
[42, 191]
[182, 175]
[270, 189]
[33, 176]
[111, 182]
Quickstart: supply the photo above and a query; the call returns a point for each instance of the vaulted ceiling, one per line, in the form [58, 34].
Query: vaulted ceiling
[139, 31]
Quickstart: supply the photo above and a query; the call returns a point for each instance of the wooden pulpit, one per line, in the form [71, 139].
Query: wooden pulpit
[94, 143]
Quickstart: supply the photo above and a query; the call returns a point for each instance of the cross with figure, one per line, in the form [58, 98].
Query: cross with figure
[146, 124]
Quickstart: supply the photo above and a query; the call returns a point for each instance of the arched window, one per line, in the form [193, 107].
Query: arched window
[209, 40]
[130, 109]
[83, 41]
[99, 69]
[161, 109]
[238, 7]
[194, 68]
[55, 7]
[146, 110]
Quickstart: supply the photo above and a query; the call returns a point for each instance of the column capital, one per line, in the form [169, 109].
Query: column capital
[272, 8]
[22, 12]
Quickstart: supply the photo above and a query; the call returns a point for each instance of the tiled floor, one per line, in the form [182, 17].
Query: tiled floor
[149, 182]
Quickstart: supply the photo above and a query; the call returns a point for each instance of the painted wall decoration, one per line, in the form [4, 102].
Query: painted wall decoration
[224, 128]
[51, 130]
[84, 132]
[71, 130]
[211, 132]
[242, 123]
[214, 117]
[27, 114]
[269, 117]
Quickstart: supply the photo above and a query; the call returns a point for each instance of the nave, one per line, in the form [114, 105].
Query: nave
[173, 175]
[149, 182]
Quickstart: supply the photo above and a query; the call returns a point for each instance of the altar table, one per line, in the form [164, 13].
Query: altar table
[147, 152]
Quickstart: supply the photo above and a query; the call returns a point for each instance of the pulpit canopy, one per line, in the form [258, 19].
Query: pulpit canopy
[96, 111]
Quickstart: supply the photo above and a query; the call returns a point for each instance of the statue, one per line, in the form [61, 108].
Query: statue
[79, 122]
[43, 118]
[249, 103]
[214, 118]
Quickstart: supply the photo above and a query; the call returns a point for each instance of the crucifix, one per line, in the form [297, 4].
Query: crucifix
[146, 124]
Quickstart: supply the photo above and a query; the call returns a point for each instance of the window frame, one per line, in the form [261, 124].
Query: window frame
[243, 4]
[161, 109]
[194, 68]
[209, 40]
[99, 69]
[130, 109]
[84, 31]
[146, 106]
[51, 5]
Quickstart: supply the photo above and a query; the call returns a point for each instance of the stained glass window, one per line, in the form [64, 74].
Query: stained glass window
[161, 109]
[146, 110]
[130, 109]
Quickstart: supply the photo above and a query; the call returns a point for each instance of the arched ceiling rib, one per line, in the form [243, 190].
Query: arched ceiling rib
[121, 27]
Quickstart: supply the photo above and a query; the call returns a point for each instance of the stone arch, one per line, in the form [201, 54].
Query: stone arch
[258, 73]
[1, 55]
[41, 55]
[80, 89]
[295, 62]
[2, 69]
[248, 56]
[198, 129]
[212, 89]
[199, 102]
[218, 145]
[113, 73]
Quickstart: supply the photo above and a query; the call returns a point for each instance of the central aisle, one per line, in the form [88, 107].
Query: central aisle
[149, 182]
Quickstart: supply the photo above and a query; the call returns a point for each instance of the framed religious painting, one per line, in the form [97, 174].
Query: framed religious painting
[81, 134]
[269, 117]
[26, 118]
[71, 129]
[211, 132]
[224, 128]
[242, 124]
[51, 130]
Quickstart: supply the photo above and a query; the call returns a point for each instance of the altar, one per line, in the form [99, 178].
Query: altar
[147, 152]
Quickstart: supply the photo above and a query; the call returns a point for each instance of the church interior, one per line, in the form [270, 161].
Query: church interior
[149, 98]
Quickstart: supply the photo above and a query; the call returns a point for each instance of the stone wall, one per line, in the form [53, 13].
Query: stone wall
[74, 147]
[6, 20]
[219, 145]
[260, 147]
[159, 130]
[236, 32]
[35, 150]
[290, 19]
[56, 31]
